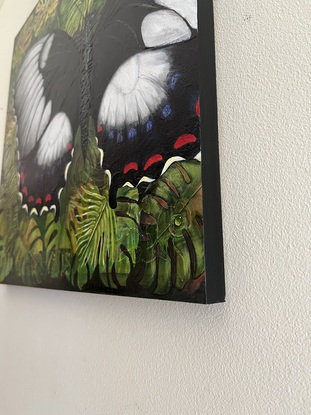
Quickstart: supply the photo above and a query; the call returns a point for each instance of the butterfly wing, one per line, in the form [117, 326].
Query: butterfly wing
[47, 104]
[145, 88]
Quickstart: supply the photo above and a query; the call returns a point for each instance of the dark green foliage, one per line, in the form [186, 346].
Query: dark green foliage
[171, 250]
[99, 233]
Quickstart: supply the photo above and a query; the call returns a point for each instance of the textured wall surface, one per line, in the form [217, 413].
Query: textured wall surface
[77, 354]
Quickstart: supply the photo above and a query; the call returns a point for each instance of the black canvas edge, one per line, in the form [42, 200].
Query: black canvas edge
[213, 232]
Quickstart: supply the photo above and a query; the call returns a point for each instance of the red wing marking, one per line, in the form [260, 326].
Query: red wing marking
[99, 129]
[198, 108]
[22, 176]
[154, 159]
[25, 191]
[48, 198]
[39, 201]
[31, 199]
[130, 166]
[184, 140]
[69, 147]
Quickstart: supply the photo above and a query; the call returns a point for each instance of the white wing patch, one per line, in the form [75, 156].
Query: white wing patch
[164, 27]
[54, 143]
[46, 51]
[186, 8]
[170, 161]
[136, 90]
[32, 110]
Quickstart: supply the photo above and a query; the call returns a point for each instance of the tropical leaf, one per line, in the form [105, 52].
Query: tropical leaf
[84, 167]
[96, 227]
[38, 23]
[6, 260]
[26, 248]
[10, 177]
[127, 232]
[44, 15]
[57, 248]
[105, 239]
[171, 251]
[74, 13]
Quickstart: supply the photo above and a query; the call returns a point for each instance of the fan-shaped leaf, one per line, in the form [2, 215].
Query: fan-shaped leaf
[96, 224]
[106, 240]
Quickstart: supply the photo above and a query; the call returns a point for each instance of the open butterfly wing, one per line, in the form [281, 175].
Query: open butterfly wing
[47, 105]
[145, 91]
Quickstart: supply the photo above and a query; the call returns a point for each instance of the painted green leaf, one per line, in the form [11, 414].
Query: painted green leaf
[95, 231]
[172, 247]
[106, 240]
[127, 232]
[41, 21]
[27, 252]
[74, 12]
[6, 260]
[57, 248]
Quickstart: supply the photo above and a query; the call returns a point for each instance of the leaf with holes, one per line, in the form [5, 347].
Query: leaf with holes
[171, 253]
[127, 232]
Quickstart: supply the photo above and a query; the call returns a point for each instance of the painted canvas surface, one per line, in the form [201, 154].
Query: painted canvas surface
[102, 171]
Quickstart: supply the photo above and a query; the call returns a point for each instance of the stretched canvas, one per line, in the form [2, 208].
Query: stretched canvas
[110, 178]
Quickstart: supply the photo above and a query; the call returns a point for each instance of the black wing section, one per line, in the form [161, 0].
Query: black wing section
[47, 105]
[145, 88]
[117, 38]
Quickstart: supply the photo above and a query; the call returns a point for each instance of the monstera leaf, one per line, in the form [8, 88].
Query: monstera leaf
[172, 246]
[127, 233]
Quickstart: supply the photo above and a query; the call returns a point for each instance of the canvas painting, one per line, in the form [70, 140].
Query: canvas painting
[110, 177]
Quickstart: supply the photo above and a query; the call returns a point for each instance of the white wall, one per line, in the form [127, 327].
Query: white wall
[70, 354]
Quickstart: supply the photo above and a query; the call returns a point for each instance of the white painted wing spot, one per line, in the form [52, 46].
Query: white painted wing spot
[136, 90]
[54, 142]
[170, 161]
[164, 27]
[186, 8]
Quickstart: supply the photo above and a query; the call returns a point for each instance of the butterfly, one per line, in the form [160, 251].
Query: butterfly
[135, 75]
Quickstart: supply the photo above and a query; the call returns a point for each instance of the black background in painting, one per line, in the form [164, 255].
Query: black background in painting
[214, 255]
